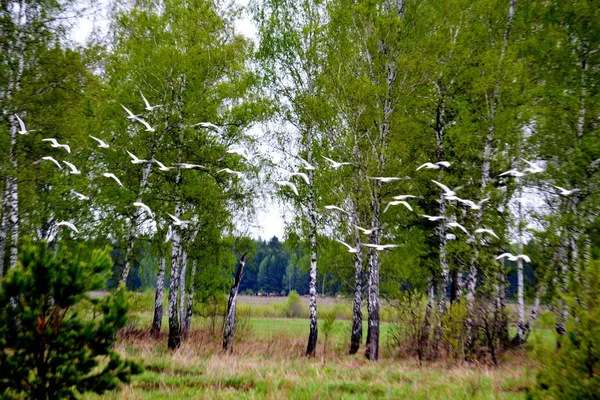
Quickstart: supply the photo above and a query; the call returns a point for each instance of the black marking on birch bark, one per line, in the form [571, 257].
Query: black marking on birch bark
[158, 298]
[229, 332]
[190, 300]
[311, 347]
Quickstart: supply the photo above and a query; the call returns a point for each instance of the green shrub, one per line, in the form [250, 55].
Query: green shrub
[572, 369]
[48, 350]
[293, 305]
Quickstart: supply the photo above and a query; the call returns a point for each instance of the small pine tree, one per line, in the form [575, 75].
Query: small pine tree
[572, 370]
[51, 346]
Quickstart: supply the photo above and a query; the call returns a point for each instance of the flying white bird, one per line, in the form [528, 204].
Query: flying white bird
[189, 166]
[433, 218]
[134, 159]
[513, 257]
[23, 130]
[395, 203]
[301, 175]
[459, 226]
[488, 231]
[147, 125]
[144, 207]
[350, 248]
[306, 165]
[533, 167]
[472, 204]
[405, 196]
[74, 170]
[54, 143]
[436, 165]
[148, 106]
[446, 189]
[381, 247]
[101, 143]
[336, 208]
[53, 160]
[241, 152]
[177, 221]
[365, 231]
[207, 125]
[230, 171]
[566, 192]
[385, 179]
[336, 164]
[290, 185]
[80, 196]
[161, 166]
[113, 176]
[513, 172]
[68, 225]
[130, 115]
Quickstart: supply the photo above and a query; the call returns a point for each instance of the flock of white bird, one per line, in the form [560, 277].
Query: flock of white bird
[447, 193]
[134, 160]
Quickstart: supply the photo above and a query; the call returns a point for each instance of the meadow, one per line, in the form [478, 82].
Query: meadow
[268, 362]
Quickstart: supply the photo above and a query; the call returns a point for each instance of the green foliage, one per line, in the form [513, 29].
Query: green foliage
[293, 305]
[572, 369]
[47, 349]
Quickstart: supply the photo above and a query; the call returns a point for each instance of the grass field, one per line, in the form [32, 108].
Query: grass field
[268, 363]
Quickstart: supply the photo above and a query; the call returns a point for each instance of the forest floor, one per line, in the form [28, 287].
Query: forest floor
[268, 363]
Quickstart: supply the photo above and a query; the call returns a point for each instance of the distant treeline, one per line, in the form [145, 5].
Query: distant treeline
[273, 267]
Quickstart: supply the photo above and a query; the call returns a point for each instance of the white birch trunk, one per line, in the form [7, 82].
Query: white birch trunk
[190, 300]
[229, 332]
[174, 323]
[520, 338]
[311, 347]
[158, 298]
[357, 331]
[182, 285]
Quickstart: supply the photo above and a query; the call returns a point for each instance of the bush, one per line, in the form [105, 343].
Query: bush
[293, 305]
[572, 370]
[48, 350]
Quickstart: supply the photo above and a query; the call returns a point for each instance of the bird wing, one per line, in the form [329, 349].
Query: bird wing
[290, 185]
[101, 142]
[147, 125]
[53, 160]
[374, 246]
[132, 115]
[51, 140]
[68, 225]
[345, 244]
[21, 123]
[174, 218]
[145, 101]
[503, 255]
[427, 164]
[307, 166]
[301, 175]
[524, 258]
[534, 165]
[388, 246]
[509, 172]
[442, 186]
[560, 188]
[73, 168]
[330, 160]
[405, 204]
[388, 205]
[443, 163]
[66, 147]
